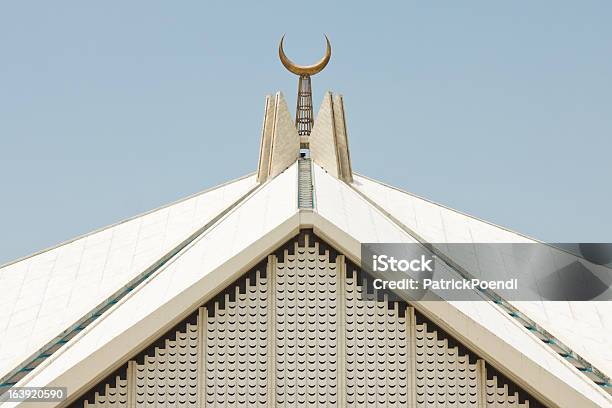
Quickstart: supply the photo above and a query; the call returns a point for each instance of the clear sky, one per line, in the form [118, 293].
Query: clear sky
[108, 109]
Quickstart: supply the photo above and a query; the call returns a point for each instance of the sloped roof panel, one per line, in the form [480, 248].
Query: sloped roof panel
[179, 285]
[336, 200]
[249, 231]
[52, 290]
[585, 327]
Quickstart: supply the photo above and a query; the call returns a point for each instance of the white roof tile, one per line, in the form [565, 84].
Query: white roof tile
[264, 211]
[178, 285]
[52, 290]
[335, 200]
[579, 325]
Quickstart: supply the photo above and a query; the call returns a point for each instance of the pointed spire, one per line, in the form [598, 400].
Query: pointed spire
[280, 144]
[329, 139]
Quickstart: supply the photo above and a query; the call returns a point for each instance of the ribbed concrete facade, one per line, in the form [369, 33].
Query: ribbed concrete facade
[305, 329]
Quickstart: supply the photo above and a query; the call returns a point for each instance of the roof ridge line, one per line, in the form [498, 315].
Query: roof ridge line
[90, 317]
[205, 230]
[566, 352]
[42, 251]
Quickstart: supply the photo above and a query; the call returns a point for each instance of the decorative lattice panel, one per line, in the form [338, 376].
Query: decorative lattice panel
[501, 393]
[112, 396]
[236, 361]
[443, 376]
[304, 328]
[376, 348]
[169, 376]
[306, 290]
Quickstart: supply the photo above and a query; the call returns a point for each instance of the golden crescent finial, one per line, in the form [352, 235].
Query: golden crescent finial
[303, 70]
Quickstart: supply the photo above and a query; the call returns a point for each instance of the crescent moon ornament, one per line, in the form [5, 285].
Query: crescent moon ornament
[304, 70]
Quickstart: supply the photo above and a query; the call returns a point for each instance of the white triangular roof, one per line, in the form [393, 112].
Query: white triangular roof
[253, 228]
[244, 235]
[140, 277]
[52, 290]
[585, 327]
[351, 207]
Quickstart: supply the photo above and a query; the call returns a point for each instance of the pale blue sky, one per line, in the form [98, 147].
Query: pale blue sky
[109, 109]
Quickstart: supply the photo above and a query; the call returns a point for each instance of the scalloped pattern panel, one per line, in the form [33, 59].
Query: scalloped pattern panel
[498, 396]
[377, 360]
[236, 348]
[305, 328]
[113, 396]
[443, 377]
[168, 378]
